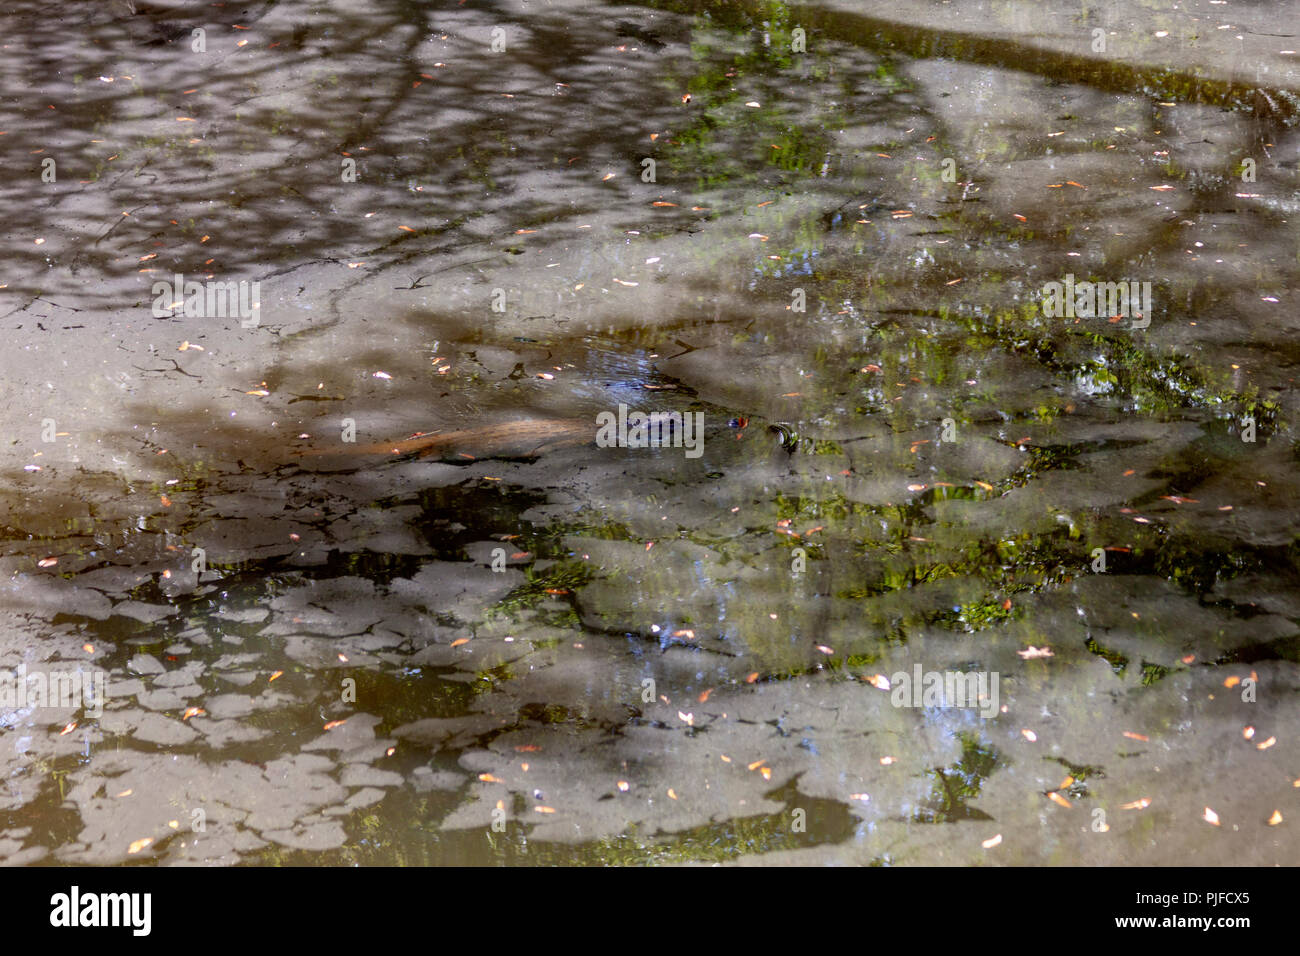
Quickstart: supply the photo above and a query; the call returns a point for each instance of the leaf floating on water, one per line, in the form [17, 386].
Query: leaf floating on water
[1248, 732]
[864, 797]
[824, 649]
[69, 728]
[275, 675]
[672, 793]
[1059, 800]
[623, 786]
[1275, 819]
[1032, 652]
[459, 641]
[766, 772]
[992, 841]
[139, 845]
[755, 765]
[754, 676]
[544, 809]
[1141, 804]
[1132, 736]
[1030, 736]
[488, 778]
[878, 681]
[1265, 744]
[47, 562]
[193, 712]
[336, 723]
[527, 748]
[704, 696]
[688, 719]
[886, 761]
[1232, 681]
[1211, 817]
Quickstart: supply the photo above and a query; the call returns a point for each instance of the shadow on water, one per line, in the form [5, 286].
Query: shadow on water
[637, 656]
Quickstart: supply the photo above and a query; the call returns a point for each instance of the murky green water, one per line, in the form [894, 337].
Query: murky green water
[632, 655]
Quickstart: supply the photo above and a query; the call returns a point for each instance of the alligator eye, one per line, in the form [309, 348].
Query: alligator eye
[789, 441]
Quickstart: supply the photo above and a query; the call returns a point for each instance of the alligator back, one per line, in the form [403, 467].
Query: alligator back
[524, 438]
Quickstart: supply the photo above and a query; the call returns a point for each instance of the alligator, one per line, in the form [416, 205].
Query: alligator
[522, 438]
